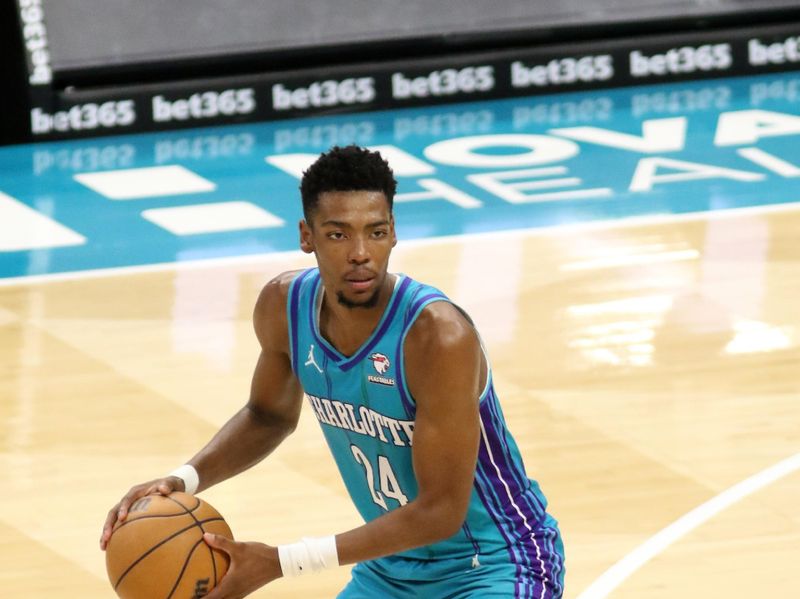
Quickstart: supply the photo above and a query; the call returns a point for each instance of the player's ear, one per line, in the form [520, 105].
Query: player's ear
[306, 238]
[391, 229]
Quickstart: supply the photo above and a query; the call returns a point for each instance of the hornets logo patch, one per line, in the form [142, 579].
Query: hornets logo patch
[381, 365]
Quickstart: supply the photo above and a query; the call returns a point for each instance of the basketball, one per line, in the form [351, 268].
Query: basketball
[158, 551]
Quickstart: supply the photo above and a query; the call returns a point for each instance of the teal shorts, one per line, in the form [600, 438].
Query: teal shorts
[496, 576]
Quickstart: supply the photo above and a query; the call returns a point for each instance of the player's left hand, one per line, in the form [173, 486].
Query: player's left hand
[252, 566]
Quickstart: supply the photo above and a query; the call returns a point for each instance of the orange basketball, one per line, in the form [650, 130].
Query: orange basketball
[158, 552]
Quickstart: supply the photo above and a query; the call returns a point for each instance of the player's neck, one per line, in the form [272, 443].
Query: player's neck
[347, 327]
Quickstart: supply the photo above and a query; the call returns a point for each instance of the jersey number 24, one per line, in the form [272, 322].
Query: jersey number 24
[389, 487]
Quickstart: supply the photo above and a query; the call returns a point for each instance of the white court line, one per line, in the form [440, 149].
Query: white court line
[617, 573]
[632, 221]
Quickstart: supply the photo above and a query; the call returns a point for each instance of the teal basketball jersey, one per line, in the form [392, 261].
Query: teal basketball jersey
[366, 413]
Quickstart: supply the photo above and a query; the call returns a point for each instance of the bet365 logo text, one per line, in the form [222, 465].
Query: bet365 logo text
[81, 117]
[684, 60]
[324, 94]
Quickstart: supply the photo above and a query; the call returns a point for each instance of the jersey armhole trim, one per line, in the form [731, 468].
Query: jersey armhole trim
[417, 306]
[293, 309]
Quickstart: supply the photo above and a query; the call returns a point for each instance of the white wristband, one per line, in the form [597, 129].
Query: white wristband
[189, 476]
[309, 556]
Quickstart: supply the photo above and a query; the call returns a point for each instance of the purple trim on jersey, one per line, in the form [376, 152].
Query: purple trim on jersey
[556, 563]
[523, 484]
[411, 301]
[538, 557]
[294, 308]
[344, 363]
[505, 464]
[511, 505]
[408, 405]
[516, 541]
[398, 295]
[498, 425]
[420, 303]
[312, 318]
[495, 474]
[468, 534]
[550, 563]
[509, 544]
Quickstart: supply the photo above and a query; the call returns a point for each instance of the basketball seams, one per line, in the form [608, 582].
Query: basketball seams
[149, 551]
[132, 521]
[196, 521]
[200, 516]
[183, 569]
[184, 512]
[185, 509]
[163, 542]
[202, 530]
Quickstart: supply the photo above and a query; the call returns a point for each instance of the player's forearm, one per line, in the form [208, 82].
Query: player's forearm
[246, 439]
[413, 525]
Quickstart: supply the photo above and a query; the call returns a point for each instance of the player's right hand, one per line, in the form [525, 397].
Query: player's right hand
[119, 512]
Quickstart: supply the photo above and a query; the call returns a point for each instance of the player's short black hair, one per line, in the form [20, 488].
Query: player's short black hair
[349, 168]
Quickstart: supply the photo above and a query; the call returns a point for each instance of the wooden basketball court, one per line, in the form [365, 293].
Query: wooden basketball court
[645, 368]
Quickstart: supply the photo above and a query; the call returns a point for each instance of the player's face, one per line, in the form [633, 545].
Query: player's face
[352, 235]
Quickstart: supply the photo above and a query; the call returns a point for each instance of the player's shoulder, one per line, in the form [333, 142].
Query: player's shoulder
[276, 290]
[440, 326]
[269, 313]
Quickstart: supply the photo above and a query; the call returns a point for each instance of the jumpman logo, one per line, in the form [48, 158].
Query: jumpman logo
[311, 361]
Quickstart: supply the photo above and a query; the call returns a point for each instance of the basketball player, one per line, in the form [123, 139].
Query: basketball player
[397, 377]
